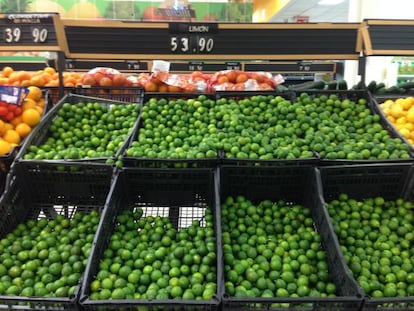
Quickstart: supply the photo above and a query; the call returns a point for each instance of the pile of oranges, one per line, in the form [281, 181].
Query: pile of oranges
[401, 114]
[12, 132]
[47, 77]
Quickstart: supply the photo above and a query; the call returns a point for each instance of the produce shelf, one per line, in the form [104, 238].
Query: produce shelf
[387, 182]
[31, 197]
[293, 185]
[178, 197]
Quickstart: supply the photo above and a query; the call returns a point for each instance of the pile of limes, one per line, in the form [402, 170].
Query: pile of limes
[272, 250]
[86, 130]
[376, 237]
[264, 127]
[46, 258]
[147, 258]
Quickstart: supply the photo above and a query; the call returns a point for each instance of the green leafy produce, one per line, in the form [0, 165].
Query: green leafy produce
[376, 237]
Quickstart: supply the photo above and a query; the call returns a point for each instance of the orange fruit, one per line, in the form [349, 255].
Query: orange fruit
[241, 78]
[105, 81]
[35, 93]
[37, 81]
[14, 77]
[174, 89]
[231, 76]
[163, 88]
[24, 75]
[5, 147]
[31, 116]
[23, 129]
[49, 70]
[16, 121]
[7, 71]
[2, 127]
[222, 79]
[39, 108]
[12, 137]
[28, 103]
[150, 87]
[25, 83]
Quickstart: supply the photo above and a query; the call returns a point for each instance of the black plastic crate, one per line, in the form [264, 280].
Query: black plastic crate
[41, 133]
[181, 195]
[127, 94]
[354, 95]
[158, 162]
[77, 181]
[294, 185]
[53, 93]
[45, 196]
[389, 181]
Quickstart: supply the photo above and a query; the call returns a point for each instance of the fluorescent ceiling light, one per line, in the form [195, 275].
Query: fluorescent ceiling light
[330, 2]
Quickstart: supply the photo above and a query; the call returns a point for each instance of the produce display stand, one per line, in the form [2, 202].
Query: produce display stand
[205, 47]
[294, 185]
[360, 182]
[181, 195]
[44, 194]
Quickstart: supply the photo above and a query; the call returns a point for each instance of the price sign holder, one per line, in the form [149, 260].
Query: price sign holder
[385, 38]
[32, 32]
[292, 67]
[211, 41]
[121, 65]
[388, 37]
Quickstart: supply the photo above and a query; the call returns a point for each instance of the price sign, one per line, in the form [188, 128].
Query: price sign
[193, 38]
[23, 31]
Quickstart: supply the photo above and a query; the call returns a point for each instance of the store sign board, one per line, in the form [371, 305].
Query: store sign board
[25, 31]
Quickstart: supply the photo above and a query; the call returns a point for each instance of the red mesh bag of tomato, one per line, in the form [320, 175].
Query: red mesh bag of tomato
[105, 76]
[238, 80]
[11, 98]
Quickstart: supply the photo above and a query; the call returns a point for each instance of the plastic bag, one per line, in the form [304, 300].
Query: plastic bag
[237, 80]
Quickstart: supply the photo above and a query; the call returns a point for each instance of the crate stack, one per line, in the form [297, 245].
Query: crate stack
[217, 232]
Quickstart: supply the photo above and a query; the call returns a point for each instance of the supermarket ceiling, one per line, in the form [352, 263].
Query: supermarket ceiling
[315, 10]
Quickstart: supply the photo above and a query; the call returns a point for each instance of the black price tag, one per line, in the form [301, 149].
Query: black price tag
[22, 31]
[195, 66]
[233, 66]
[136, 65]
